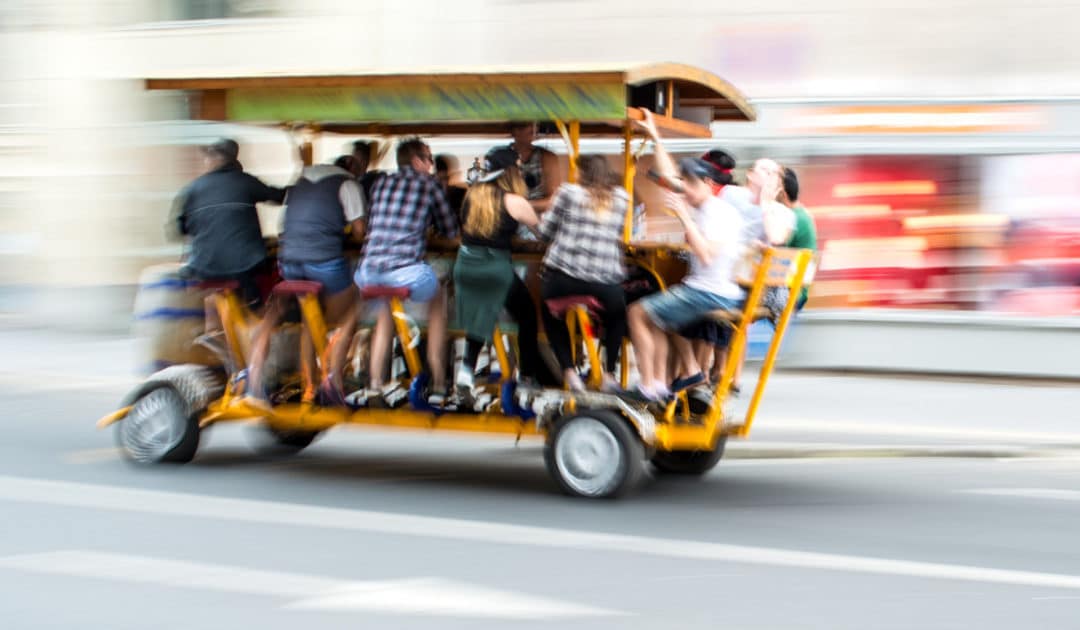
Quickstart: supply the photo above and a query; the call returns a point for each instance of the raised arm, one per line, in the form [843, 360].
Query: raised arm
[549, 164]
[665, 165]
[550, 221]
[700, 246]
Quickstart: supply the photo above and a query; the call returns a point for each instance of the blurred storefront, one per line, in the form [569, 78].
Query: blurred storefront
[926, 200]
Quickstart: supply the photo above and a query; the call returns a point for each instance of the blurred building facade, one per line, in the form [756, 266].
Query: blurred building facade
[938, 142]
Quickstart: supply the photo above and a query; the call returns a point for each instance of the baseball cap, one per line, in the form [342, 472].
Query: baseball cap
[700, 169]
[496, 161]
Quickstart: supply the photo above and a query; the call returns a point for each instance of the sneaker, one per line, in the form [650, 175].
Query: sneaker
[258, 401]
[687, 382]
[328, 395]
[464, 384]
[437, 399]
[610, 385]
[640, 394]
[574, 383]
[359, 398]
[394, 395]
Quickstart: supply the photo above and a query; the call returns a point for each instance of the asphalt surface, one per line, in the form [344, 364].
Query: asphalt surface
[857, 503]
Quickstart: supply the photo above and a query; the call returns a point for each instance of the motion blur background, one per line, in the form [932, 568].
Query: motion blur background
[938, 144]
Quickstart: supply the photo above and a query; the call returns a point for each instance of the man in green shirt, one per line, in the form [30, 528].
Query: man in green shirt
[804, 234]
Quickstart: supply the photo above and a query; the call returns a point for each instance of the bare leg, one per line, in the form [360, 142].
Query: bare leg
[642, 338]
[660, 358]
[687, 358]
[260, 346]
[380, 347]
[211, 319]
[436, 341]
[720, 358]
[340, 311]
[704, 352]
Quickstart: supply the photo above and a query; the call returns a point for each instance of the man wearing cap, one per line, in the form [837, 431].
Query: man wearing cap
[713, 233]
[217, 212]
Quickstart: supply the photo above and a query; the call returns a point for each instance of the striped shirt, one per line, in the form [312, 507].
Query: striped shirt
[403, 206]
[585, 244]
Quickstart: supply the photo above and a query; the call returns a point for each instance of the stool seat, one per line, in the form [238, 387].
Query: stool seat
[376, 291]
[560, 305]
[219, 285]
[297, 287]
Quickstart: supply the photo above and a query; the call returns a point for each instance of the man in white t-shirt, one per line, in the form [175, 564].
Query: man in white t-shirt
[714, 235]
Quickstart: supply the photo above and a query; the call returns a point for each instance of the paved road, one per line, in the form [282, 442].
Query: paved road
[843, 511]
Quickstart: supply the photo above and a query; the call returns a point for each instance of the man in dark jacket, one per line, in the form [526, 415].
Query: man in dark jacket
[217, 212]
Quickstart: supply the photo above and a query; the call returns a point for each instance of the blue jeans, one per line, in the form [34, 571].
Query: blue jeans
[333, 275]
[420, 279]
[680, 306]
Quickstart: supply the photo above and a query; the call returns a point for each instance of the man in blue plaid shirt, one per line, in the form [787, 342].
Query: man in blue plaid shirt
[403, 206]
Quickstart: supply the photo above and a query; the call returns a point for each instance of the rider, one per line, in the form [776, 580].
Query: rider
[585, 229]
[484, 279]
[539, 167]
[713, 233]
[403, 205]
[217, 211]
[319, 206]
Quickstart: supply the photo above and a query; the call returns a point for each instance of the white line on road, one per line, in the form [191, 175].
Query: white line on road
[1029, 493]
[419, 596]
[155, 502]
[58, 381]
[999, 436]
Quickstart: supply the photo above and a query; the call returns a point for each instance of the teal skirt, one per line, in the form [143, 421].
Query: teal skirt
[482, 280]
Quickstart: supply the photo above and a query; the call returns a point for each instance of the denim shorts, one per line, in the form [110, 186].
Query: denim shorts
[420, 279]
[680, 306]
[333, 275]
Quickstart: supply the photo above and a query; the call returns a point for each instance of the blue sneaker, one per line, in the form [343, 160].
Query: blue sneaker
[687, 382]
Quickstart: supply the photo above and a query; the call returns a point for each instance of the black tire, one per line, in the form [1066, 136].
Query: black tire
[690, 463]
[163, 424]
[583, 432]
[278, 442]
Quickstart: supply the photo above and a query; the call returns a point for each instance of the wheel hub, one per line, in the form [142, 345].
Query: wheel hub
[155, 425]
[588, 456]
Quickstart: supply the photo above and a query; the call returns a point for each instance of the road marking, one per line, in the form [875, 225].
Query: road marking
[874, 428]
[419, 596]
[1029, 493]
[156, 502]
[58, 381]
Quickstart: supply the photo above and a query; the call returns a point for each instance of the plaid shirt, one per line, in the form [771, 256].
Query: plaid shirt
[404, 205]
[585, 244]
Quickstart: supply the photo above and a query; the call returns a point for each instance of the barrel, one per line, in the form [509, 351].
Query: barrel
[169, 316]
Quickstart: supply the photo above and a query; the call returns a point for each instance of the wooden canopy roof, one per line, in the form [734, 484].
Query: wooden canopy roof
[469, 101]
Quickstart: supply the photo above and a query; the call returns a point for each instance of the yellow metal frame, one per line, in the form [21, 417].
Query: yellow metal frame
[776, 268]
[578, 322]
[404, 334]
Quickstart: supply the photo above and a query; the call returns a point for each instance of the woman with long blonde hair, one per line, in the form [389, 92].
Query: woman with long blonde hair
[585, 258]
[484, 278]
